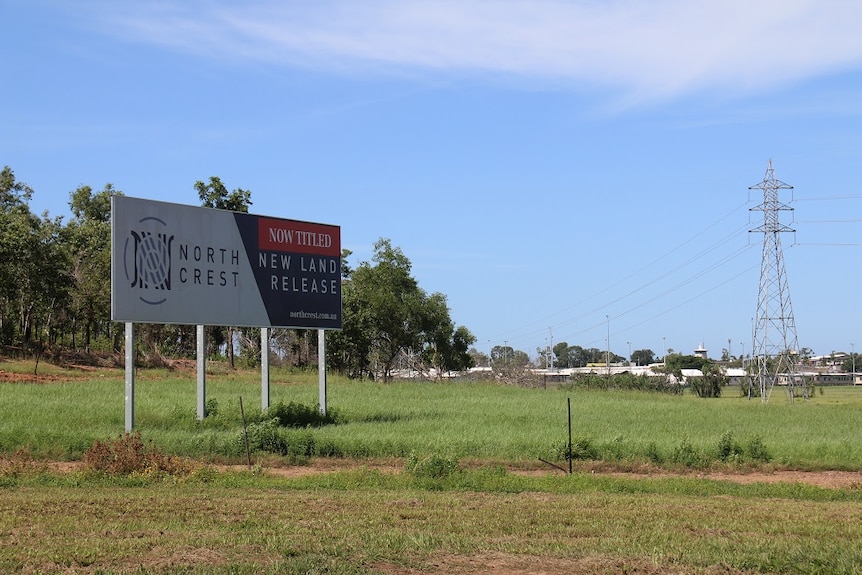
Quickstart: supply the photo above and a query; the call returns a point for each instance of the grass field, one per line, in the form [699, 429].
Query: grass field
[473, 522]
[468, 518]
[59, 419]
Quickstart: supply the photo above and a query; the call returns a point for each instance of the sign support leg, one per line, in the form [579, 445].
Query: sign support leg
[321, 369]
[264, 368]
[202, 371]
[130, 376]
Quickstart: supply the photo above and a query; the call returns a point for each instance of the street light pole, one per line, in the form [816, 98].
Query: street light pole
[608, 350]
[853, 359]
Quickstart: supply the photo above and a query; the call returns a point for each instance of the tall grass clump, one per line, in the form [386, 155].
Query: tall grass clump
[431, 467]
[285, 429]
[294, 414]
[731, 451]
[270, 437]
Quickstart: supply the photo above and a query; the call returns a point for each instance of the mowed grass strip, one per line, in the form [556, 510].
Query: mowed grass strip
[369, 522]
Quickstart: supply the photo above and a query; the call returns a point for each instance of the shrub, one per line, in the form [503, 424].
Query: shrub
[298, 415]
[300, 444]
[616, 450]
[757, 451]
[128, 454]
[583, 448]
[269, 436]
[728, 449]
[266, 436]
[708, 385]
[686, 454]
[433, 467]
[20, 463]
[653, 453]
[211, 407]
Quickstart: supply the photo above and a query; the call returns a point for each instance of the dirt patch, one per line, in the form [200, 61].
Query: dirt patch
[823, 479]
[506, 564]
[14, 377]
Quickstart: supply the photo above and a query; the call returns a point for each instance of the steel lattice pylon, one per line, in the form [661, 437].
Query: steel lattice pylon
[775, 351]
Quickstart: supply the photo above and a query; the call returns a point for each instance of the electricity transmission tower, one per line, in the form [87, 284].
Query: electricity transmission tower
[775, 352]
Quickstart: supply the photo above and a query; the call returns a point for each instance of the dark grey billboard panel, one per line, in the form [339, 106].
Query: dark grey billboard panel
[183, 264]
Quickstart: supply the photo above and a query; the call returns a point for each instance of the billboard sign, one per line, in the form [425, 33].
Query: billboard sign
[173, 263]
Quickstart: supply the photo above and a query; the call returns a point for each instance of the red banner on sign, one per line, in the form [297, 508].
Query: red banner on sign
[298, 237]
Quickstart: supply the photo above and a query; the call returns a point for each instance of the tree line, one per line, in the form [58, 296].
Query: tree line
[55, 297]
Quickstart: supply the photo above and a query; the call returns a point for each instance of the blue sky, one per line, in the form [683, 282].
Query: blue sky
[558, 169]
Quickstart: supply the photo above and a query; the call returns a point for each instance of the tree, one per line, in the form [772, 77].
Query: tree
[349, 350]
[561, 355]
[711, 383]
[445, 348]
[479, 358]
[387, 316]
[643, 357]
[215, 195]
[15, 221]
[32, 268]
[89, 238]
[501, 354]
[578, 356]
[506, 355]
[851, 363]
[13, 194]
[393, 299]
[674, 363]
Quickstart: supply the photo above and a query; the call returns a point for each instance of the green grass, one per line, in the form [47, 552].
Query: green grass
[452, 508]
[484, 421]
[369, 522]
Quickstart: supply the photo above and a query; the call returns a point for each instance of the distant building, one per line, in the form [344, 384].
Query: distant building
[735, 375]
[700, 351]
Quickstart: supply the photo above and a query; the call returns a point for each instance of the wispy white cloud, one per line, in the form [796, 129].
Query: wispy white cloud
[646, 50]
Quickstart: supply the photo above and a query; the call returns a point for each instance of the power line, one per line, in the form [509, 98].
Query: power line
[674, 288]
[525, 333]
[735, 233]
[828, 199]
[827, 221]
[844, 245]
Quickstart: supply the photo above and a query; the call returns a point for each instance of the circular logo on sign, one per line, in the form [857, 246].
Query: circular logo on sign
[147, 260]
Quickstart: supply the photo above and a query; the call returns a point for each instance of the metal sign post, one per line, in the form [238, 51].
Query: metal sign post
[130, 376]
[321, 370]
[264, 368]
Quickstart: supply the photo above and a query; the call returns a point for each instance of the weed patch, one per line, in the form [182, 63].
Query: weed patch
[271, 437]
[19, 464]
[298, 415]
[687, 455]
[729, 450]
[431, 467]
[128, 454]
